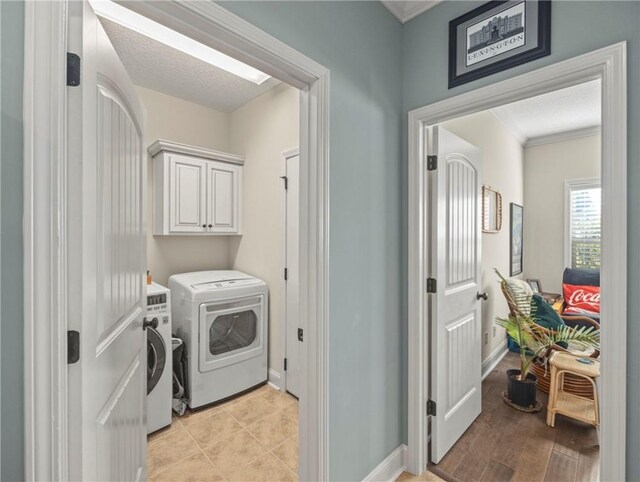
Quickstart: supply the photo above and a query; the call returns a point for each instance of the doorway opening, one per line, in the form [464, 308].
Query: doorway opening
[204, 213]
[452, 352]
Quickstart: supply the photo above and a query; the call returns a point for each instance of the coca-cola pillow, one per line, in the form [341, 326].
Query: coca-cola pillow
[581, 300]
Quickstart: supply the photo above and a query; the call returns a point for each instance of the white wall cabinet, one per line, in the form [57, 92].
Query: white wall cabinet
[196, 191]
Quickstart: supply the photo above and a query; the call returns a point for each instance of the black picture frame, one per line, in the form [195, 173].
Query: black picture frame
[536, 286]
[492, 65]
[516, 239]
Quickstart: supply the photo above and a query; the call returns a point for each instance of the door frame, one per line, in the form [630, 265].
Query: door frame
[289, 153]
[609, 65]
[48, 425]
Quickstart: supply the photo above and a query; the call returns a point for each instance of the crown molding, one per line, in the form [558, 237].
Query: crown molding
[406, 10]
[509, 125]
[177, 148]
[563, 136]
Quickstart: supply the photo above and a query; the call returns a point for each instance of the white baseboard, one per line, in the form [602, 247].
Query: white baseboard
[274, 379]
[391, 467]
[494, 358]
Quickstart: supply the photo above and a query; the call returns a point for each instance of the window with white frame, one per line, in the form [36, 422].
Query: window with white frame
[583, 224]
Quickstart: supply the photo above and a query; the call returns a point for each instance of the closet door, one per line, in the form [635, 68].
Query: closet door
[188, 195]
[223, 200]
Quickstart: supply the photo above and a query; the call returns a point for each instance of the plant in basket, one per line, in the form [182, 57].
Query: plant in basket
[535, 341]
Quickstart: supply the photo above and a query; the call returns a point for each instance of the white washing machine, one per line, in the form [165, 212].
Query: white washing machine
[222, 316]
[159, 357]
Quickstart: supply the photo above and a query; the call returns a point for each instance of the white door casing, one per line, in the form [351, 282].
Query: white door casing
[454, 217]
[292, 319]
[610, 65]
[51, 420]
[107, 241]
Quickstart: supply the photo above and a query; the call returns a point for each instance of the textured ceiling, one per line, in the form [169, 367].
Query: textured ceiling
[565, 110]
[156, 66]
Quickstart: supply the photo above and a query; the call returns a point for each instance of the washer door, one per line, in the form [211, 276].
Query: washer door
[156, 358]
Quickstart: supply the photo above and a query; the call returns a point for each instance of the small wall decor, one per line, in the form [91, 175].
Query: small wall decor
[536, 286]
[516, 240]
[497, 36]
[491, 210]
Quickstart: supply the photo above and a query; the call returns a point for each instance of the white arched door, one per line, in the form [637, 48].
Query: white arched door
[455, 306]
[107, 260]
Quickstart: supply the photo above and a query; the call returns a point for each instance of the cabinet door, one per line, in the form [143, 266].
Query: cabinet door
[187, 211]
[222, 198]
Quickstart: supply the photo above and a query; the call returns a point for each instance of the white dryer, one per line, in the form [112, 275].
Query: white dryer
[222, 316]
[159, 357]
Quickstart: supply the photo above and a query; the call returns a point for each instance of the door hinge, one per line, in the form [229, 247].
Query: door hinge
[73, 70]
[286, 182]
[432, 285]
[286, 274]
[300, 334]
[285, 364]
[432, 163]
[431, 407]
[73, 346]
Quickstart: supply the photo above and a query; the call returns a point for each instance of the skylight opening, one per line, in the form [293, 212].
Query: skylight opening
[127, 18]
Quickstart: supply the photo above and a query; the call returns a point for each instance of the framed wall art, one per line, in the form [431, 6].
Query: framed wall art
[497, 36]
[491, 210]
[516, 236]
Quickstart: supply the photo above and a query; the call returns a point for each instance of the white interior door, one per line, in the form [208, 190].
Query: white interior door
[106, 230]
[292, 283]
[455, 309]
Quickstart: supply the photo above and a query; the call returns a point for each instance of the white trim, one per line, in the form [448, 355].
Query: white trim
[563, 136]
[609, 65]
[44, 123]
[45, 344]
[405, 11]
[494, 358]
[568, 185]
[390, 468]
[283, 209]
[274, 379]
[509, 124]
[177, 148]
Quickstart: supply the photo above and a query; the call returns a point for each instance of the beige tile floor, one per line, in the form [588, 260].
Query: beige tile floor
[425, 477]
[253, 437]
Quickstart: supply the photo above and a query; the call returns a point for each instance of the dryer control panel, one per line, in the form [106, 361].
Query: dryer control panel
[158, 299]
[230, 283]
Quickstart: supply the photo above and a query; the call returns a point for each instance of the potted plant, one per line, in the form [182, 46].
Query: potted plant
[536, 342]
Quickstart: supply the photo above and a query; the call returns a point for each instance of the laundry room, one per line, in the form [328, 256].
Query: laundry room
[222, 203]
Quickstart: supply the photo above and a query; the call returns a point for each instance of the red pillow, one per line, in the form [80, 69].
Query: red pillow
[581, 300]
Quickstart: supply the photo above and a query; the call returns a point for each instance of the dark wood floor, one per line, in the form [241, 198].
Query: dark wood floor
[505, 444]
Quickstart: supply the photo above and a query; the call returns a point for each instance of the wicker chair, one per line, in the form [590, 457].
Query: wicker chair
[576, 385]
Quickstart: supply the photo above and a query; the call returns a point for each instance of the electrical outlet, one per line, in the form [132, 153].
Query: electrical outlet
[486, 337]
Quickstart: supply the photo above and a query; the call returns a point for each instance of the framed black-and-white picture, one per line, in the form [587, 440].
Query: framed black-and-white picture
[536, 286]
[497, 36]
[515, 250]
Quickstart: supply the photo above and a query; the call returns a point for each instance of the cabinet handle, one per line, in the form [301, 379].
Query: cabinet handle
[204, 226]
[211, 225]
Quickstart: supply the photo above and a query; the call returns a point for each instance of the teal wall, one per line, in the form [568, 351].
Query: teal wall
[577, 27]
[11, 367]
[361, 43]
